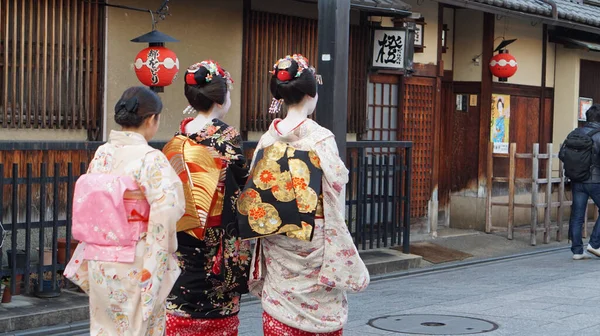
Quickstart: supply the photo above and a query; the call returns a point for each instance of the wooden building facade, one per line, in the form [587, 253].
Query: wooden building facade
[64, 63]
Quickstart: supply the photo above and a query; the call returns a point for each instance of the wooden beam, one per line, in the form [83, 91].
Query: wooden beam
[485, 110]
[543, 138]
[333, 37]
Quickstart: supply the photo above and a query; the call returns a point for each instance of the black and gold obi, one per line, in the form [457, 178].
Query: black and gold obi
[282, 195]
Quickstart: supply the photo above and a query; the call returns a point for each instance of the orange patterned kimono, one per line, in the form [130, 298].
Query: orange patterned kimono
[213, 260]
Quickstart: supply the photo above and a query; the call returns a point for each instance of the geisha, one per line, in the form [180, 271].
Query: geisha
[207, 154]
[305, 260]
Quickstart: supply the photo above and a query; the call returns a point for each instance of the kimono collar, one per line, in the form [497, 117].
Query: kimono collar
[120, 138]
[212, 128]
[298, 133]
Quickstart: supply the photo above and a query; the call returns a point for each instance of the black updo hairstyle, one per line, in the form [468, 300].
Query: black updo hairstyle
[136, 105]
[202, 95]
[293, 91]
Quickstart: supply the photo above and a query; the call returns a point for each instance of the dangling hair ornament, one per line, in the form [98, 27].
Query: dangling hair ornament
[319, 79]
[275, 105]
[189, 110]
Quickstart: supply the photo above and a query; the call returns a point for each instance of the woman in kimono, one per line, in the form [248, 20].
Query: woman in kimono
[207, 154]
[127, 272]
[301, 277]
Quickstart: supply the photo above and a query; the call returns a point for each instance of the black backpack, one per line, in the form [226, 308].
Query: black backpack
[577, 155]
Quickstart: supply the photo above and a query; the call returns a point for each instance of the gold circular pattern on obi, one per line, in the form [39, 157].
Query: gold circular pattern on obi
[247, 200]
[314, 159]
[264, 218]
[284, 190]
[265, 174]
[307, 200]
[304, 234]
[288, 228]
[299, 169]
[291, 151]
[275, 151]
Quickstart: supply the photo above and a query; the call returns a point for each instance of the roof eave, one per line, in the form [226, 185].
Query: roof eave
[508, 12]
[381, 10]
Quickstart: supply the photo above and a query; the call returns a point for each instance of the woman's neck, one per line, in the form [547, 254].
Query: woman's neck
[200, 121]
[296, 115]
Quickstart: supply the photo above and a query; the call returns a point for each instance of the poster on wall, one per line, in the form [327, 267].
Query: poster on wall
[500, 122]
[584, 105]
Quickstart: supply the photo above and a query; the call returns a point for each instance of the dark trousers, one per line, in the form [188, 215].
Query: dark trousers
[581, 193]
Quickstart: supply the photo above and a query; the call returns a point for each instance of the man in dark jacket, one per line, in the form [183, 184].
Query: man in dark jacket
[582, 191]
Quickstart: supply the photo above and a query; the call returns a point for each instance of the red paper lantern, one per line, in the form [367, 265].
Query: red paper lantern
[503, 65]
[156, 66]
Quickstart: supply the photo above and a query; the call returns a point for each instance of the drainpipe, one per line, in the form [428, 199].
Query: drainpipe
[554, 8]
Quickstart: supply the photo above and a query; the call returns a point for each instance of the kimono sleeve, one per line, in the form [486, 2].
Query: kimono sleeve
[164, 192]
[342, 266]
[334, 169]
[238, 163]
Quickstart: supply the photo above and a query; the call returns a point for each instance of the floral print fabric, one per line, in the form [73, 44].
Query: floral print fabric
[214, 270]
[304, 284]
[129, 298]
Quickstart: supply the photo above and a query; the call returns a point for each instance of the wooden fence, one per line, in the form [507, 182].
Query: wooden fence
[543, 183]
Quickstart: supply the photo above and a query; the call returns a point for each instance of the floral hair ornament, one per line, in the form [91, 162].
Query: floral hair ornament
[280, 70]
[213, 69]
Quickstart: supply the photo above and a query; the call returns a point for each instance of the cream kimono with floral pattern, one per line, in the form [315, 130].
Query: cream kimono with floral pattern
[129, 299]
[304, 284]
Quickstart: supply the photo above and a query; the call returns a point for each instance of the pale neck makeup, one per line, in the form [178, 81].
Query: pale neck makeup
[297, 114]
[217, 111]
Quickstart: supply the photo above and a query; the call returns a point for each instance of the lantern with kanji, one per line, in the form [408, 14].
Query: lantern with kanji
[503, 65]
[156, 66]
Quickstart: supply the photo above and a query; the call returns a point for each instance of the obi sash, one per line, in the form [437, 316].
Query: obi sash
[282, 195]
[202, 173]
[110, 215]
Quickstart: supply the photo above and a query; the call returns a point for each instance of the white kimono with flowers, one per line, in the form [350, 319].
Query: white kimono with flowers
[130, 299]
[304, 284]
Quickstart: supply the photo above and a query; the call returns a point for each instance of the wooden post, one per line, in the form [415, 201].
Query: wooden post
[485, 106]
[334, 31]
[488, 197]
[561, 199]
[511, 189]
[534, 192]
[548, 194]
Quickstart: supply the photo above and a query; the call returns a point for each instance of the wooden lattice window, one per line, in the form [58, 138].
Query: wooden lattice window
[417, 126]
[270, 36]
[51, 64]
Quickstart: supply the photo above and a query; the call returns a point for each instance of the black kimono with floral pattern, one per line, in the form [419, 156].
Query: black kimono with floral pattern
[214, 271]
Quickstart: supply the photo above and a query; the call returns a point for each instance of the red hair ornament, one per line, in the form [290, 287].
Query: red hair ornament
[284, 76]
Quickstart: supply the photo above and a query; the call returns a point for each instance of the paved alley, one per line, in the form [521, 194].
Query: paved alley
[547, 294]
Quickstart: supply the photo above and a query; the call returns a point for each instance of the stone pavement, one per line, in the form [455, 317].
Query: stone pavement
[545, 295]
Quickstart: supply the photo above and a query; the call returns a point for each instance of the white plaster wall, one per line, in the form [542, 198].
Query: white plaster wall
[467, 44]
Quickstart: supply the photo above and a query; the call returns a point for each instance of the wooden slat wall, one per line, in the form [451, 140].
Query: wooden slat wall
[51, 60]
[417, 126]
[271, 36]
[50, 157]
